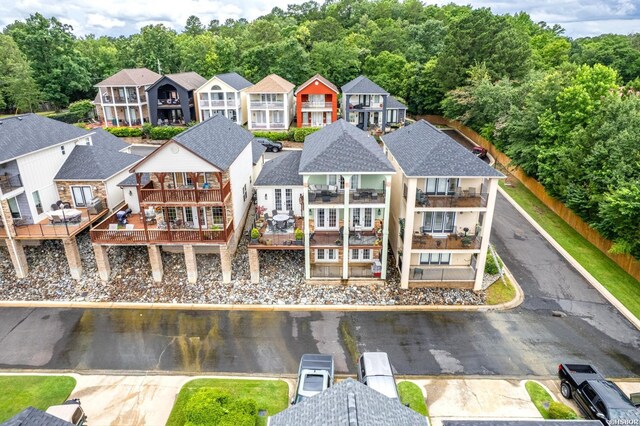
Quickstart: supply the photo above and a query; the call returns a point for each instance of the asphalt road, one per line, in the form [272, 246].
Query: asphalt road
[525, 341]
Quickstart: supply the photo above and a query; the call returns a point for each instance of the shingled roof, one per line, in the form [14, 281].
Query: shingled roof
[23, 134]
[362, 85]
[217, 140]
[422, 150]
[348, 403]
[393, 103]
[281, 171]
[94, 163]
[187, 80]
[235, 80]
[320, 78]
[341, 147]
[103, 139]
[257, 149]
[130, 77]
[272, 83]
[33, 417]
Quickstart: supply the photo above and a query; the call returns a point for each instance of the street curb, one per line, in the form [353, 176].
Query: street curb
[577, 266]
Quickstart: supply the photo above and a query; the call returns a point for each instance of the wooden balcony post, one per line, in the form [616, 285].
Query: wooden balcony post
[167, 221]
[161, 177]
[144, 223]
[139, 186]
[194, 179]
[200, 221]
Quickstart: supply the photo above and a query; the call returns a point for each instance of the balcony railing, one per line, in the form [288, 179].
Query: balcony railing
[372, 105]
[367, 196]
[277, 125]
[445, 273]
[189, 195]
[449, 242]
[463, 199]
[175, 101]
[132, 99]
[317, 105]
[10, 183]
[103, 235]
[261, 104]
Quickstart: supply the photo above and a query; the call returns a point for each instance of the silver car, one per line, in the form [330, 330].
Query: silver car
[374, 370]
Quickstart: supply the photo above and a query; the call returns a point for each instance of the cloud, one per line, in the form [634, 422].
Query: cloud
[101, 21]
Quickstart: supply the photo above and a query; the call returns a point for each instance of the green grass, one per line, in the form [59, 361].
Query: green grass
[498, 292]
[622, 286]
[411, 394]
[539, 396]
[270, 395]
[20, 392]
[43, 113]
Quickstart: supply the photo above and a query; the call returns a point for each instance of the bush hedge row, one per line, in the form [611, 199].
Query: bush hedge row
[164, 132]
[560, 411]
[293, 135]
[67, 117]
[125, 132]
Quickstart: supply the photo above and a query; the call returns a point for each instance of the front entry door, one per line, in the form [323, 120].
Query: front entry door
[316, 119]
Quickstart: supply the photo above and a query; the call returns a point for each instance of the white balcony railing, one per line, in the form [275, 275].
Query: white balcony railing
[260, 104]
[317, 105]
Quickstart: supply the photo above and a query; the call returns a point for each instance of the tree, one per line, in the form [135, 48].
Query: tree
[104, 54]
[388, 70]
[194, 26]
[336, 61]
[619, 217]
[616, 51]
[18, 90]
[155, 48]
[423, 91]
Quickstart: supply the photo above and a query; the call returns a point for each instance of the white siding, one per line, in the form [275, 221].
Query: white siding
[131, 199]
[266, 197]
[172, 157]
[240, 173]
[115, 194]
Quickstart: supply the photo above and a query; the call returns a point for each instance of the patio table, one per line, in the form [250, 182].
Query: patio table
[64, 214]
[281, 218]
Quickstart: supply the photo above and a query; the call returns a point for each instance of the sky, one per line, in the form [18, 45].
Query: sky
[580, 18]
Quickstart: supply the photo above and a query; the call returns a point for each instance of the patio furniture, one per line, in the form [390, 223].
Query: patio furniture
[54, 220]
[162, 224]
[472, 192]
[281, 221]
[270, 224]
[54, 207]
[113, 227]
[417, 272]
[311, 235]
[64, 214]
[312, 196]
[374, 195]
[356, 195]
[129, 227]
[178, 223]
[291, 214]
[274, 213]
[266, 216]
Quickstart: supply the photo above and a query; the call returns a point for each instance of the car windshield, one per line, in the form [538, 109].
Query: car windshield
[313, 383]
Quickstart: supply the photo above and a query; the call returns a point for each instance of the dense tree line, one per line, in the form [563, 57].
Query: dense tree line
[565, 110]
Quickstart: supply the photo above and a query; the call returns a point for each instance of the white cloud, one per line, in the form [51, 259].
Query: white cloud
[101, 21]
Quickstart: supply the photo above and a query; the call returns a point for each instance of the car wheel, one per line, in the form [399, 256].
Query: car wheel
[565, 390]
[275, 149]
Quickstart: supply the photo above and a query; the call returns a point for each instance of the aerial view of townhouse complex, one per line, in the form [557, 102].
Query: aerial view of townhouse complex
[360, 212]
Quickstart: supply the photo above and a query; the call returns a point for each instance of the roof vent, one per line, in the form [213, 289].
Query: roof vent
[19, 118]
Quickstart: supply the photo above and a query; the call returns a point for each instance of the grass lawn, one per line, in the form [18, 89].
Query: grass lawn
[623, 286]
[498, 292]
[20, 392]
[270, 395]
[411, 394]
[43, 113]
[539, 396]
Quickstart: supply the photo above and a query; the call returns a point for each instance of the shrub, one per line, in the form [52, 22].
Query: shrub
[558, 410]
[300, 134]
[299, 234]
[67, 117]
[125, 132]
[490, 267]
[165, 132]
[82, 108]
[274, 136]
[255, 234]
[146, 130]
[214, 407]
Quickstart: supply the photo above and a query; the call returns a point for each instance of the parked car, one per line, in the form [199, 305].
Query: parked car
[69, 411]
[374, 370]
[271, 146]
[597, 397]
[315, 374]
[480, 152]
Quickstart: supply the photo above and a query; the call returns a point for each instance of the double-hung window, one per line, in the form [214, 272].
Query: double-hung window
[278, 199]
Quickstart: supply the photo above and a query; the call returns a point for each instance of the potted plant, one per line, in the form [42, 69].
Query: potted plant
[255, 234]
[299, 236]
[466, 241]
[338, 242]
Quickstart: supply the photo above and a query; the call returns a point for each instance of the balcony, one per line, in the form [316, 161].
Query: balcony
[367, 196]
[169, 103]
[184, 195]
[370, 106]
[445, 242]
[317, 105]
[325, 196]
[131, 99]
[464, 275]
[462, 198]
[263, 104]
[334, 270]
[10, 183]
[47, 229]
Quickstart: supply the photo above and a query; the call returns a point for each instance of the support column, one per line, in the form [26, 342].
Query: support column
[73, 257]
[102, 260]
[385, 226]
[346, 225]
[155, 258]
[190, 262]
[305, 213]
[225, 263]
[18, 258]
[408, 232]
[486, 232]
[254, 266]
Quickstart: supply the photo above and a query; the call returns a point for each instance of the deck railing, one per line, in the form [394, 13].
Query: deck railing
[188, 195]
[102, 235]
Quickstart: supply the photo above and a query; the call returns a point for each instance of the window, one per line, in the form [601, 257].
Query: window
[278, 199]
[37, 202]
[367, 218]
[336, 180]
[320, 219]
[244, 192]
[589, 393]
[361, 254]
[202, 217]
[326, 255]
[172, 213]
[435, 258]
[439, 221]
[355, 217]
[188, 214]
[82, 195]
[62, 150]
[441, 186]
[362, 217]
[326, 219]
[13, 208]
[216, 87]
[333, 218]
[277, 117]
[216, 214]
[288, 199]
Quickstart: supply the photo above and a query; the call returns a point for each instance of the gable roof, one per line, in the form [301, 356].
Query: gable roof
[131, 180]
[235, 80]
[23, 134]
[393, 103]
[322, 80]
[187, 80]
[348, 403]
[33, 417]
[342, 147]
[130, 77]
[103, 139]
[363, 85]
[216, 140]
[422, 150]
[281, 171]
[94, 163]
[272, 83]
[257, 149]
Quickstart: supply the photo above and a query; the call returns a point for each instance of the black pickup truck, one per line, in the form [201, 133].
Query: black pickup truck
[597, 397]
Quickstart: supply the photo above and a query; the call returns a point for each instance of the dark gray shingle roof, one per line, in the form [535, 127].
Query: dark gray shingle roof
[422, 150]
[94, 163]
[103, 139]
[131, 180]
[33, 417]
[235, 80]
[27, 133]
[281, 171]
[348, 403]
[187, 80]
[395, 104]
[342, 147]
[363, 85]
[257, 149]
[218, 140]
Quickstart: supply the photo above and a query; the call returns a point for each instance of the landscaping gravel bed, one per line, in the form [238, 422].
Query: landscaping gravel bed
[281, 281]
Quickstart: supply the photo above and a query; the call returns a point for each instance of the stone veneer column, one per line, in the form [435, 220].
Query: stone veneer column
[225, 263]
[18, 258]
[254, 266]
[102, 261]
[155, 258]
[190, 261]
[73, 257]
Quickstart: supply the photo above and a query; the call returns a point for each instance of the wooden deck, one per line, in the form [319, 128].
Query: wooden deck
[44, 230]
[451, 242]
[461, 201]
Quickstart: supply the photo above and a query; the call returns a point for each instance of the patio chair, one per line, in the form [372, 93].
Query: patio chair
[311, 235]
[54, 220]
[472, 192]
[270, 223]
[113, 227]
[312, 196]
[418, 272]
[75, 219]
[55, 207]
[274, 212]
[291, 214]
[266, 216]
[129, 227]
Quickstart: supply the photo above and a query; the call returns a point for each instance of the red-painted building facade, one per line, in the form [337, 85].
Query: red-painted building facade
[316, 102]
